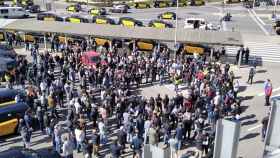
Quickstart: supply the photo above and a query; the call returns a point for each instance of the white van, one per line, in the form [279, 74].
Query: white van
[189, 23]
[13, 12]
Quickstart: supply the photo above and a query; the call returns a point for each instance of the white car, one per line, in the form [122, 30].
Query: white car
[200, 23]
[13, 12]
[120, 8]
[191, 22]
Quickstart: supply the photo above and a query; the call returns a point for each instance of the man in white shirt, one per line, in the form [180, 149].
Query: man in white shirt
[80, 137]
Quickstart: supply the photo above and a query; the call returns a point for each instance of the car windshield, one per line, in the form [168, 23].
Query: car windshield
[95, 59]
[190, 21]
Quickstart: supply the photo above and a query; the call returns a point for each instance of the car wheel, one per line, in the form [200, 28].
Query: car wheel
[6, 17]
[278, 31]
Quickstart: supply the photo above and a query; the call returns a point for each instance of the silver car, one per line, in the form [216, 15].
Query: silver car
[119, 8]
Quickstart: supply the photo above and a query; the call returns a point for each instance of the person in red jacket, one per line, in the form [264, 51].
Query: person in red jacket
[267, 91]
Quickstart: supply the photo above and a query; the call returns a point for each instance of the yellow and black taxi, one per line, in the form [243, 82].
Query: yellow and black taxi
[97, 11]
[23, 3]
[232, 1]
[167, 16]
[160, 24]
[10, 110]
[140, 4]
[74, 8]
[145, 45]
[2, 36]
[48, 17]
[161, 4]
[7, 69]
[197, 2]
[103, 20]
[182, 3]
[31, 37]
[10, 113]
[129, 22]
[70, 39]
[76, 19]
[190, 48]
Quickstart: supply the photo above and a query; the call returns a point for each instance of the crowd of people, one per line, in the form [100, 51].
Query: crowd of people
[93, 110]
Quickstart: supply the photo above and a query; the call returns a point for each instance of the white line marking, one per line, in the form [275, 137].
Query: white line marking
[253, 128]
[260, 25]
[274, 90]
[260, 20]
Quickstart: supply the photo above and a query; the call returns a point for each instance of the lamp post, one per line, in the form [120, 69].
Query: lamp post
[176, 25]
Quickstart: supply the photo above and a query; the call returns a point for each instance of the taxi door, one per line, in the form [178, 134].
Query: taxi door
[8, 127]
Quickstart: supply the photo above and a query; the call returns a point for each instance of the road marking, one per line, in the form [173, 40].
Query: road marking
[274, 90]
[253, 128]
[259, 23]
[260, 20]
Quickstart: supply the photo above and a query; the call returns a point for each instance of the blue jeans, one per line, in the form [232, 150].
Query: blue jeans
[179, 144]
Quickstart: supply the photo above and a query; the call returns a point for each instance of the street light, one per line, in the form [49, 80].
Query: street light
[176, 25]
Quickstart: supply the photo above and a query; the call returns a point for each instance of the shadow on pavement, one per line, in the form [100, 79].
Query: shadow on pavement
[243, 108]
[246, 98]
[261, 71]
[249, 136]
[250, 122]
[242, 88]
[259, 82]
[247, 117]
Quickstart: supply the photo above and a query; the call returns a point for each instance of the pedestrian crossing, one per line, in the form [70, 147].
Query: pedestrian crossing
[262, 51]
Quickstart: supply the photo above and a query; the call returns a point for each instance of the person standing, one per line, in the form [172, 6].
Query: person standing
[153, 139]
[179, 136]
[122, 138]
[136, 146]
[252, 73]
[80, 137]
[115, 149]
[267, 91]
[264, 126]
[95, 139]
[247, 54]
[67, 147]
[25, 134]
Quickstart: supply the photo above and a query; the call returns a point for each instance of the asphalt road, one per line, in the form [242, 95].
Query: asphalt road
[212, 13]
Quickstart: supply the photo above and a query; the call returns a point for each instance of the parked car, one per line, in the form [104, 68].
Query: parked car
[167, 16]
[182, 3]
[160, 24]
[92, 59]
[49, 17]
[74, 8]
[103, 20]
[97, 11]
[129, 22]
[119, 8]
[13, 12]
[140, 4]
[33, 8]
[76, 19]
[161, 4]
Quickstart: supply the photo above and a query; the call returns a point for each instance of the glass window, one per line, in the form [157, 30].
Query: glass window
[4, 11]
